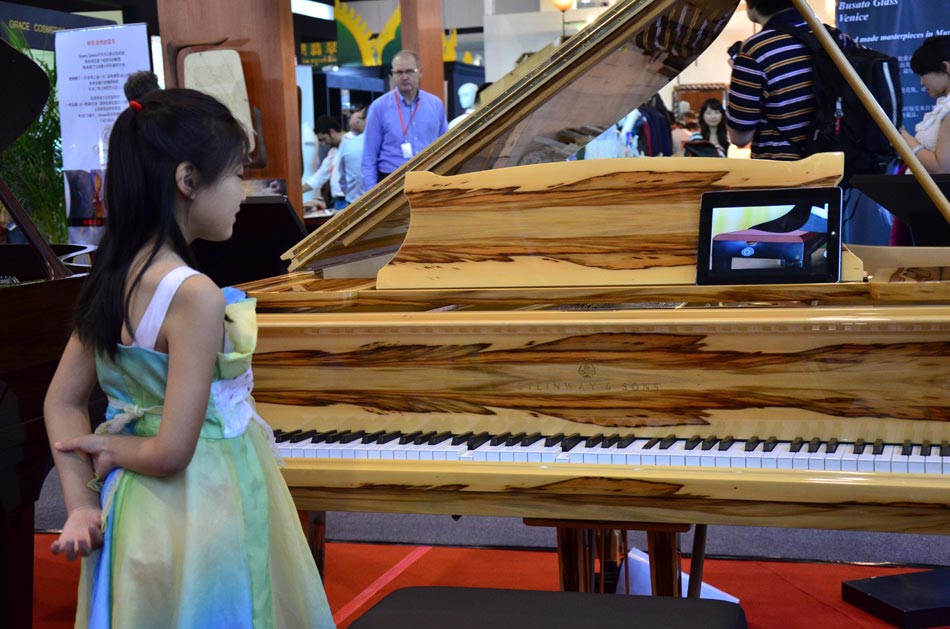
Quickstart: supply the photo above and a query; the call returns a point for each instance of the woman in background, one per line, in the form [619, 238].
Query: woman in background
[711, 139]
[931, 140]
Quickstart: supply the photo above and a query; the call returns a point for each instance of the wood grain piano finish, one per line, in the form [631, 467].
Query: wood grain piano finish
[620, 355]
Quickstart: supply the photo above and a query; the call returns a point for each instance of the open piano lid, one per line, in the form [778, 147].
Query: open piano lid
[32, 92]
[560, 101]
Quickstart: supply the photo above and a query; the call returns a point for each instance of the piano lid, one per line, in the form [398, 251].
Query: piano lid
[562, 100]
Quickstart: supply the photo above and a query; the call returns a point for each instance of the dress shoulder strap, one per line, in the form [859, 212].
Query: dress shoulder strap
[147, 331]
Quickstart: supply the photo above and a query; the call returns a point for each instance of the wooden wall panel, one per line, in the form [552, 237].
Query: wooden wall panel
[263, 34]
[422, 32]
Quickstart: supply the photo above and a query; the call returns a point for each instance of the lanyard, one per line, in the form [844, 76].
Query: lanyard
[405, 127]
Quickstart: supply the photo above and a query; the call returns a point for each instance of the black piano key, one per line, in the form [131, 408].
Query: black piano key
[594, 440]
[531, 439]
[571, 442]
[515, 439]
[439, 438]
[797, 444]
[814, 445]
[497, 440]
[321, 437]
[945, 448]
[477, 441]
[370, 438]
[302, 436]
[353, 436]
[625, 441]
[832, 446]
[693, 441]
[667, 441]
[908, 448]
[859, 446]
[926, 448]
[409, 437]
[611, 440]
[339, 435]
[709, 442]
[462, 438]
[878, 448]
[553, 440]
[752, 443]
[726, 443]
[652, 441]
[282, 436]
[770, 444]
[389, 436]
[423, 438]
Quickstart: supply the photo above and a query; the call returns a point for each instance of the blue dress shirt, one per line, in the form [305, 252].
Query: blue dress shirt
[423, 120]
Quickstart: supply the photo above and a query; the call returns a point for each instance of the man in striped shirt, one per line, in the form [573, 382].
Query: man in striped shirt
[771, 100]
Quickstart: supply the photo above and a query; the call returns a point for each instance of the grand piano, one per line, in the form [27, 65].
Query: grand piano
[38, 287]
[531, 341]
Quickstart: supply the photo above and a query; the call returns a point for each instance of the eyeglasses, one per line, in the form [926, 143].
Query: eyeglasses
[405, 72]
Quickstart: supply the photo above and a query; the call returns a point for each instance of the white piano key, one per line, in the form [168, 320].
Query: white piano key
[866, 459]
[783, 455]
[753, 458]
[884, 462]
[833, 459]
[849, 460]
[915, 462]
[724, 458]
[769, 459]
[677, 453]
[800, 459]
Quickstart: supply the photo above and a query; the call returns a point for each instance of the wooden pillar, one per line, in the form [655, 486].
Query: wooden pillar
[262, 31]
[422, 32]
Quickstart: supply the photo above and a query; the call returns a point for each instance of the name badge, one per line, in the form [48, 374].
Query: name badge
[406, 150]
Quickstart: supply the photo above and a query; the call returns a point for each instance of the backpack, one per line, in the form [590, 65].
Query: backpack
[841, 122]
[701, 148]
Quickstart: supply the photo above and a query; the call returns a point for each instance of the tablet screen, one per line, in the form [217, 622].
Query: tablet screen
[774, 236]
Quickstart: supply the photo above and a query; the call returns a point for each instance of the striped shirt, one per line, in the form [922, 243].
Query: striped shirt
[771, 91]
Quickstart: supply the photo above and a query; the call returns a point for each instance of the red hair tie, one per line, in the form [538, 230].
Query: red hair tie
[134, 104]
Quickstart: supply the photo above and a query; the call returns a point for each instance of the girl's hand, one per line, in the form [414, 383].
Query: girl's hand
[81, 535]
[96, 446]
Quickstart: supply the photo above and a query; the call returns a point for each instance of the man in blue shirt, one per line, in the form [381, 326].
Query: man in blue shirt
[400, 123]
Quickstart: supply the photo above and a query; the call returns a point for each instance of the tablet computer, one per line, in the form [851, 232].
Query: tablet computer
[772, 236]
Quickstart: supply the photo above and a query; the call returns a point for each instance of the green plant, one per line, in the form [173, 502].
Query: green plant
[32, 166]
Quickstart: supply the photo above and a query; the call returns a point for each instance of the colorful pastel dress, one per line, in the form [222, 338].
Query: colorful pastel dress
[219, 544]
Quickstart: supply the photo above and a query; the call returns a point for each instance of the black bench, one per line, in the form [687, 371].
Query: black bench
[470, 608]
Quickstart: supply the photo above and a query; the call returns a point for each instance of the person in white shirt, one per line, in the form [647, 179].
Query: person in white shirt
[328, 132]
[349, 158]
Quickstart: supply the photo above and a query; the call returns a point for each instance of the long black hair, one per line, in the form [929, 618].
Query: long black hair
[716, 105]
[149, 139]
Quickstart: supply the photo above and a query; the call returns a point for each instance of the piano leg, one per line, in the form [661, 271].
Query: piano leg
[16, 561]
[663, 547]
[578, 553]
[697, 561]
[314, 525]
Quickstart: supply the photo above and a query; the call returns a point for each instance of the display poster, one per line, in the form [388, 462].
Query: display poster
[897, 29]
[92, 66]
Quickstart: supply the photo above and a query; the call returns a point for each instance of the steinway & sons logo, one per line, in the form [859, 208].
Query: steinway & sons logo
[589, 383]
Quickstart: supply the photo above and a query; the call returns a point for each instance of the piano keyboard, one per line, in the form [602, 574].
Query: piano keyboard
[671, 451]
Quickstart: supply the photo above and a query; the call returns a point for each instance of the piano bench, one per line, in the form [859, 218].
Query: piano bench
[470, 608]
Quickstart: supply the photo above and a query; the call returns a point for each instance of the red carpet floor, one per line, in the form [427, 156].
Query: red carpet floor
[774, 595]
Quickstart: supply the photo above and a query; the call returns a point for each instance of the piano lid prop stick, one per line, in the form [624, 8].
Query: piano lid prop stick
[887, 127]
